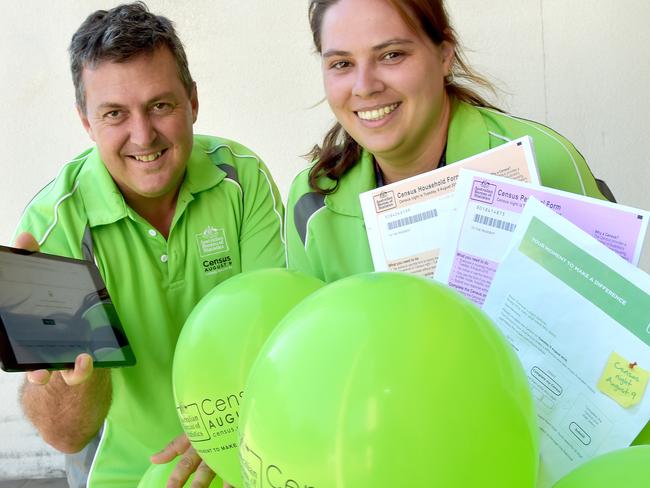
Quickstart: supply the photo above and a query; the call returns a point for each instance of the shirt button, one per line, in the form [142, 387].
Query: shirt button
[164, 258]
[152, 233]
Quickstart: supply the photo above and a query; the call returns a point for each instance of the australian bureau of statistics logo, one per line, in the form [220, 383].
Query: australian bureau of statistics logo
[211, 419]
[213, 245]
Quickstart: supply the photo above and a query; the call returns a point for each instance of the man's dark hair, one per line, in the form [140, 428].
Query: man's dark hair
[120, 34]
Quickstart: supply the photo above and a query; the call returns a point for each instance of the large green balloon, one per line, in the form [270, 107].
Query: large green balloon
[215, 350]
[624, 468]
[385, 380]
[158, 474]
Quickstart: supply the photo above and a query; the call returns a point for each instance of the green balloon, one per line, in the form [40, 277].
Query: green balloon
[158, 474]
[384, 380]
[624, 468]
[215, 350]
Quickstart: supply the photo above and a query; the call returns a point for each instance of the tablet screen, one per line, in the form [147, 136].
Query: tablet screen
[54, 308]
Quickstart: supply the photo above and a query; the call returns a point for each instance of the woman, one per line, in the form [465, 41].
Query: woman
[392, 71]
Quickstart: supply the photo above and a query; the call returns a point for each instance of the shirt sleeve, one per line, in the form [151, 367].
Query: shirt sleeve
[588, 184]
[261, 237]
[296, 241]
[56, 225]
[560, 164]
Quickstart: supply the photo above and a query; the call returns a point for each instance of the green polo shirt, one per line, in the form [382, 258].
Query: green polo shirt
[325, 235]
[228, 219]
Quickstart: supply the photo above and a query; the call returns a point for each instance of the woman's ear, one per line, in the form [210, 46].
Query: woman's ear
[447, 52]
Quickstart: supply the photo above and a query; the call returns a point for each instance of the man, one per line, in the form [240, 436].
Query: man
[165, 214]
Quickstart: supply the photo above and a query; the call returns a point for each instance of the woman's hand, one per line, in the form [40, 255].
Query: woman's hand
[189, 463]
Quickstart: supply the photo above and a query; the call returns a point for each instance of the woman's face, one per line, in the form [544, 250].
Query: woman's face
[384, 82]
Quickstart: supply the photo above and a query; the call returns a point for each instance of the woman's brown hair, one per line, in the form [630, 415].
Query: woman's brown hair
[339, 152]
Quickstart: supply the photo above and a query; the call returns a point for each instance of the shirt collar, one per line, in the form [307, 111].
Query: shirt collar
[105, 204]
[202, 172]
[467, 134]
[358, 179]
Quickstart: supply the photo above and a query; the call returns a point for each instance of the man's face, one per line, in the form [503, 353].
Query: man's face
[140, 116]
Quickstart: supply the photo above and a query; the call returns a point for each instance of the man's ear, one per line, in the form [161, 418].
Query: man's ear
[84, 121]
[194, 102]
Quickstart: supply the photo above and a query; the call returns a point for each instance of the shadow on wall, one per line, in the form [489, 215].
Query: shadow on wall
[38, 483]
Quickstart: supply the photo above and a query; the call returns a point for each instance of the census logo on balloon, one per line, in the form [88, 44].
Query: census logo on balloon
[210, 418]
[257, 473]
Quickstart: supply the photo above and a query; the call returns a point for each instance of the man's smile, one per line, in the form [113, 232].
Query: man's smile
[147, 158]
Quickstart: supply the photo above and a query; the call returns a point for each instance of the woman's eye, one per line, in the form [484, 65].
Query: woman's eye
[392, 56]
[340, 65]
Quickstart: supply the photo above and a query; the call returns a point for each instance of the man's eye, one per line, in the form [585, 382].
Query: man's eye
[161, 107]
[113, 114]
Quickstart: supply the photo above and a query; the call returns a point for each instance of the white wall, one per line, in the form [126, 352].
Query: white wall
[580, 67]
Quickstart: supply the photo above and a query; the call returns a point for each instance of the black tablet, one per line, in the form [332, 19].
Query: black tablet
[53, 308]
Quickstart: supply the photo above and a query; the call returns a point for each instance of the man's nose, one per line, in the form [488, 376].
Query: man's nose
[143, 132]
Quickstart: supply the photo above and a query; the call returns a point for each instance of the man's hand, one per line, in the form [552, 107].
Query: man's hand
[83, 396]
[83, 369]
[83, 365]
[189, 463]
[26, 241]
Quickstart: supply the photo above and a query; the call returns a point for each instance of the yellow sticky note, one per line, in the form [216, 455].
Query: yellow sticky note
[623, 381]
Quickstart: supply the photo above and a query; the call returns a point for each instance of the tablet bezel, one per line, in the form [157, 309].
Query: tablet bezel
[8, 360]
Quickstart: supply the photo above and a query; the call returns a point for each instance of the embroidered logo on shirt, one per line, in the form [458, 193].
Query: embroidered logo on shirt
[212, 241]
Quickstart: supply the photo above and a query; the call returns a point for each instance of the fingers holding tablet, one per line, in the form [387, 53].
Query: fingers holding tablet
[38, 377]
[56, 314]
[83, 369]
[26, 241]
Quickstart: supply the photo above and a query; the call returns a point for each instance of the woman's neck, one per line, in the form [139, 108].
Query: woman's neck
[423, 159]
